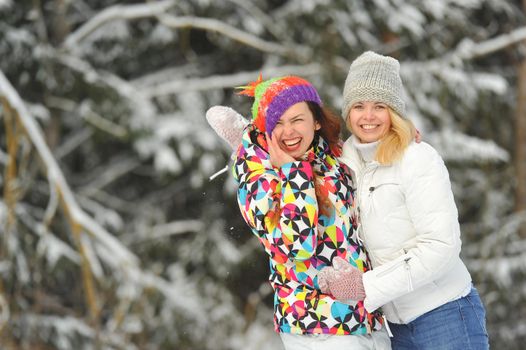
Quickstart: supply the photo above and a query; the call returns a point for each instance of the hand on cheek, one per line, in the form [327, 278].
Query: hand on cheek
[277, 156]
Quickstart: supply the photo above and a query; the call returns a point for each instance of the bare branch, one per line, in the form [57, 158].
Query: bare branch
[35, 135]
[79, 221]
[101, 123]
[4, 311]
[141, 107]
[110, 174]
[164, 75]
[158, 9]
[52, 205]
[10, 185]
[60, 103]
[468, 50]
[73, 142]
[23, 212]
[115, 13]
[233, 33]
[169, 229]
[115, 203]
[274, 27]
[117, 256]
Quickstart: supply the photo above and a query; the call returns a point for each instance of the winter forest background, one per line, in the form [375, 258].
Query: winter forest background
[113, 236]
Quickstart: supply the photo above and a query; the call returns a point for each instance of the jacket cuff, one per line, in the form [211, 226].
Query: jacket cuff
[369, 303]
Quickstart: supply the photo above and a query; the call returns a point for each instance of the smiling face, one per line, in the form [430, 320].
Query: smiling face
[369, 121]
[295, 130]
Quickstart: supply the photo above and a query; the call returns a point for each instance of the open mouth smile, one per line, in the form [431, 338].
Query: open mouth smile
[369, 126]
[292, 142]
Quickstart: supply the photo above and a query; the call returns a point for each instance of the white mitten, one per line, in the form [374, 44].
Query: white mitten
[227, 123]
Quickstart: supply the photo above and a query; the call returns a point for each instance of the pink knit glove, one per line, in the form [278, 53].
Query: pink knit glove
[342, 280]
[227, 123]
[324, 276]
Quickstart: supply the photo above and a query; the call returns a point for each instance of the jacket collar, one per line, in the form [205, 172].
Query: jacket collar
[366, 151]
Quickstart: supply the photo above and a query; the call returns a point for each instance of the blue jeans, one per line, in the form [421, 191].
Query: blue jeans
[457, 325]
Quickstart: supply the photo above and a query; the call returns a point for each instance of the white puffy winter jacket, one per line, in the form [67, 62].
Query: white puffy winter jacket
[409, 225]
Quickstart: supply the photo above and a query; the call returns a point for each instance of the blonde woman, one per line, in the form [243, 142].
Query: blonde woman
[408, 220]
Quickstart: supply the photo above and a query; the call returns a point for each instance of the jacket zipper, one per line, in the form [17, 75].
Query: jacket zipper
[407, 268]
[374, 188]
[410, 282]
[362, 227]
[361, 230]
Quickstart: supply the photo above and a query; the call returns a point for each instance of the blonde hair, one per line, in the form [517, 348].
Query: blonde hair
[393, 144]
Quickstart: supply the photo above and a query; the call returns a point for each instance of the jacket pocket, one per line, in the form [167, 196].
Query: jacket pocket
[384, 197]
[400, 264]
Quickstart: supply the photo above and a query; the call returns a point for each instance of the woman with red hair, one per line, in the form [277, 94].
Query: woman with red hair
[298, 200]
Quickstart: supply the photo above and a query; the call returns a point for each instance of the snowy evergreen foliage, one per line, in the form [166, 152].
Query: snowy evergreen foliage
[113, 235]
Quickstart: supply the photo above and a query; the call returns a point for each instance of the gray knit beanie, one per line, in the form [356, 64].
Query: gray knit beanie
[373, 77]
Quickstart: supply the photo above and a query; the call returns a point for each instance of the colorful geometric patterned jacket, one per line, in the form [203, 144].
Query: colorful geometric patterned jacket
[281, 208]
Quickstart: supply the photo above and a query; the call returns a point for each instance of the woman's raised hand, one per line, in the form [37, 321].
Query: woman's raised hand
[278, 157]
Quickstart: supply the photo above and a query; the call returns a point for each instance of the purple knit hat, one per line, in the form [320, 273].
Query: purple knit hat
[274, 96]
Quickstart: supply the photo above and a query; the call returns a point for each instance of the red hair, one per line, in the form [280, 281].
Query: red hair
[330, 127]
[330, 132]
